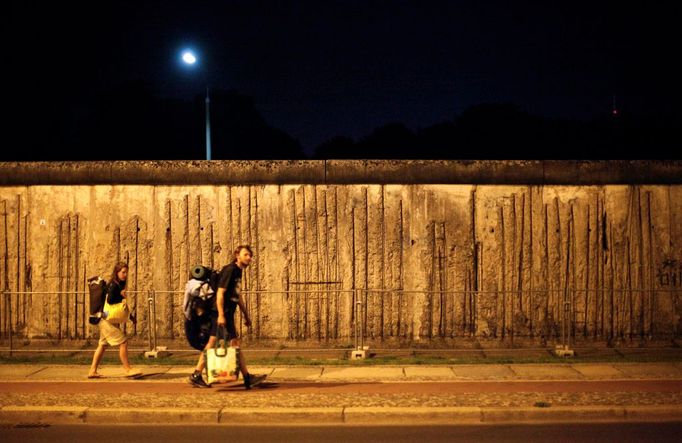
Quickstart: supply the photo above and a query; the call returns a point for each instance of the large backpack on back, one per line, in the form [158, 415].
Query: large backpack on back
[209, 275]
[202, 288]
[199, 305]
[97, 287]
[198, 331]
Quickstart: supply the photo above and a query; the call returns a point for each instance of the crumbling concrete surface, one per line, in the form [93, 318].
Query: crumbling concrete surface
[434, 264]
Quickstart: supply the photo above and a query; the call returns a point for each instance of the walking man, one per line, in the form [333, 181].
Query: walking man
[228, 297]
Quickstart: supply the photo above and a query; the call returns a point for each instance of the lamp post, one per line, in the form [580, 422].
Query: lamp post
[190, 59]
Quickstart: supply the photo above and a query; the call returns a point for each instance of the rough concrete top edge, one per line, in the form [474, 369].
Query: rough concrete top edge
[254, 172]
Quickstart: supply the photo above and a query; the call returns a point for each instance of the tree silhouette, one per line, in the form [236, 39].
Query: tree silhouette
[504, 131]
[129, 122]
[240, 132]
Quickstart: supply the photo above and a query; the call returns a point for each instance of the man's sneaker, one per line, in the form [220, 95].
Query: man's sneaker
[197, 381]
[251, 380]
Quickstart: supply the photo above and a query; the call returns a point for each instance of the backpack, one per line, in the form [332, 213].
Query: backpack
[199, 298]
[209, 275]
[198, 303]
[198, 331]
[97, 287]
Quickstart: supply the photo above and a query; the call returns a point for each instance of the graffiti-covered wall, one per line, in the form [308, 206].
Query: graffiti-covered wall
[427, 263]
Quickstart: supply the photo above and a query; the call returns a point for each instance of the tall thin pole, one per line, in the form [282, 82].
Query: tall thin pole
[208, 127]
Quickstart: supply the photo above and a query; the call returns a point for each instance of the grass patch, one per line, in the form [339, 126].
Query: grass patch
[86, 359]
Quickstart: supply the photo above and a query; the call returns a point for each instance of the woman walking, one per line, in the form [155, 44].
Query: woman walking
[110, 334]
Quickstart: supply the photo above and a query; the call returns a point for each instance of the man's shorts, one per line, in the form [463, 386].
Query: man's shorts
[229, 326]
[110, 334]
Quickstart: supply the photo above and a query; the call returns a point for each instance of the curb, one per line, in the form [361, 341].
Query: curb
[42, 414]
[339, 416]
[149, 415]
[409, 415]
[281, 416]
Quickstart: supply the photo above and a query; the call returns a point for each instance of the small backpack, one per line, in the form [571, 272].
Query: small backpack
[97, 287]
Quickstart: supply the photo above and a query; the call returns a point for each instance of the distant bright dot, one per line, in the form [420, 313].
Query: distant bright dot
[188, 57]
[615, 112]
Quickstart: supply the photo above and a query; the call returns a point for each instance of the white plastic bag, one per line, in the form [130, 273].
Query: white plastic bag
[222, 363]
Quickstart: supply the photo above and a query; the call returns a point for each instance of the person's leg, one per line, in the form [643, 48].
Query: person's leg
[96, 359]
[242, 360]
[213, 332]
[232, 335]
[249, 379]
[195, 378]
[123, 355]
[201, 364]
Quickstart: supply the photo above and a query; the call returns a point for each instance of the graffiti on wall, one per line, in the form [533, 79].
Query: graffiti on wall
[670, 273]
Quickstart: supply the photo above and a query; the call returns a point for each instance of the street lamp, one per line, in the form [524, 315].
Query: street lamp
[190, 59]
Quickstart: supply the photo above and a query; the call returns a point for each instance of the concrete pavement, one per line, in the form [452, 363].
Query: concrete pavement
[495, 393]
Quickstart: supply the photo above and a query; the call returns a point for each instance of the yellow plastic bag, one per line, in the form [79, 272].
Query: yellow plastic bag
[116, 313]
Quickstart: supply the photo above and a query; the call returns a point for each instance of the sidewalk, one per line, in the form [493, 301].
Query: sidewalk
[504, 393]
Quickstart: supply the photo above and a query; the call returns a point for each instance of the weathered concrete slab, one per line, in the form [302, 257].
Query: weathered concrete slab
[649, 370]
[267, 370]
[152, 369]
[364, 373]
[429, 373]
[545, 372]
[296, 373]
[482, 372]
[163, 172]
[300, 215]
[18, 372]
[66, 373]
[80, 372]
[597, 371]
[181, 369]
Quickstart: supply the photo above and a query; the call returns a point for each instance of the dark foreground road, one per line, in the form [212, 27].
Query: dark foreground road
[600, 433]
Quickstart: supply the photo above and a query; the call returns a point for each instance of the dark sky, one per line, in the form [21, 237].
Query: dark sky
[327, 68]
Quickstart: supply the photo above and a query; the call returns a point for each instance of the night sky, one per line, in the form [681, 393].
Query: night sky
[324, 69]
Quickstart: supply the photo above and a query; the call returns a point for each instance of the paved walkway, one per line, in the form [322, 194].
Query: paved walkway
[349, 394]
[378, 373]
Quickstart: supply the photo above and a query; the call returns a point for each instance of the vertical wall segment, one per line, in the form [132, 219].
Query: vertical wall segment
[433, 264]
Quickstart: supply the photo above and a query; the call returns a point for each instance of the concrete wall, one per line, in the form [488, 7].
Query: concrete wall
[437, 264]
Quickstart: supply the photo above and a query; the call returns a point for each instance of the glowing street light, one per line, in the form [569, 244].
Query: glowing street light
[190, 59]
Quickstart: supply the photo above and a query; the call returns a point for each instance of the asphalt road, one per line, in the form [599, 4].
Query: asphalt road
[592, 432]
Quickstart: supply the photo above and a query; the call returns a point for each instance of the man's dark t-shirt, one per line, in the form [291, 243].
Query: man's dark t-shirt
[230, 279]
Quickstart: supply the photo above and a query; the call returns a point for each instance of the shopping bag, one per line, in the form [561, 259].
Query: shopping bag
[222, 362]
[116, 313]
